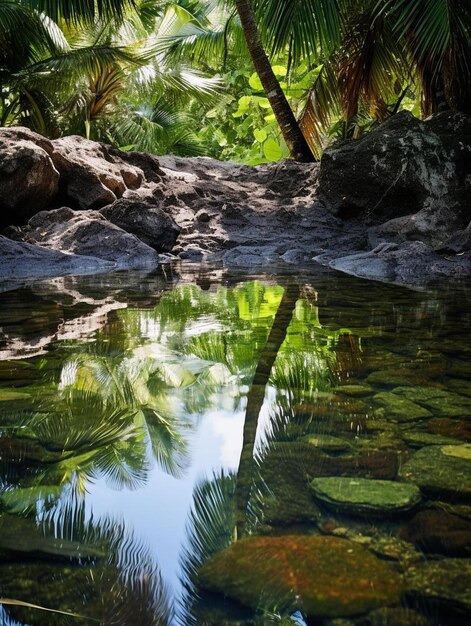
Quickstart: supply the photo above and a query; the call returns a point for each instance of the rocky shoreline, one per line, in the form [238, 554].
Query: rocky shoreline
[393, 206]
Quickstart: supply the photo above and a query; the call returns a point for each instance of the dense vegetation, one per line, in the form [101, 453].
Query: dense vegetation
[180, 76]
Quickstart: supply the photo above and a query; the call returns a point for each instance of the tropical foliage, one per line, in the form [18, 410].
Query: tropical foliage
[178, 77]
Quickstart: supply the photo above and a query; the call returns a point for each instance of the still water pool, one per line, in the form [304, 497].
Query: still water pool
[199, 448]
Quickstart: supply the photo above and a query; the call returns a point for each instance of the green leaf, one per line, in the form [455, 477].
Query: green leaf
[272, 150]
[279, 70]
[255, 82]
[260, 134]
[244, 104]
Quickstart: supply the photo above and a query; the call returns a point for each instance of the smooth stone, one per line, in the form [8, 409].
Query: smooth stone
[447, 427]
[354, 390]
[400, 409]
[462, 387]
[392, 377]
[397, 617]
[419, 438]
[438, 531]
[329, 443]
[440, 470]
[327, 576]
[365, 496]
[439, 401]
[444, 583]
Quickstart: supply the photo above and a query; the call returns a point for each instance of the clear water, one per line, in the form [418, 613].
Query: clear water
[149, 423]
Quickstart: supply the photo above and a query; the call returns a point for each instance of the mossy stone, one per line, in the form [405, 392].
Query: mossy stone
[445, 583]
[440, 470]
[440, 402]
[365, 496]
[419, 438]
[357, 391]
[401, 409]
[328, 443]
[324, 576]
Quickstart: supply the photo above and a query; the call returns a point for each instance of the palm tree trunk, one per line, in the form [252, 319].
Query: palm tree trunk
[295, 140]
[255, 399]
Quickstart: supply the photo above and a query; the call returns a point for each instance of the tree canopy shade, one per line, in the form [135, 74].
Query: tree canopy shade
[179, 76]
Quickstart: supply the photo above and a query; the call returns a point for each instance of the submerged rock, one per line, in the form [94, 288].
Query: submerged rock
[439, 532]
[329, 443]
[440, 470]
[393, 406]
[444, 583]
[323, 576]
[364, 496]
[397, 617]
[439, 401]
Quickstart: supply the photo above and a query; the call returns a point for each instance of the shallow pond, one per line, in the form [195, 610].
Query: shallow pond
[199, 448]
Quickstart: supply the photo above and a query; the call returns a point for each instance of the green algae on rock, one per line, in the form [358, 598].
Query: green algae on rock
[329, 443]
[440, 402]
[445, 583]
[391, 405]
[323, 576]
[365, 496]
[440, 470]
[354, 390]
[420, 438]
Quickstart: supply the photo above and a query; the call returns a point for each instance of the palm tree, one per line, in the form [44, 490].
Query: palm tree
[292, 134]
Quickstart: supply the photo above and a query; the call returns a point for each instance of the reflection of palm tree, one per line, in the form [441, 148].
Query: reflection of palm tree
[102, 573]
[256, 397]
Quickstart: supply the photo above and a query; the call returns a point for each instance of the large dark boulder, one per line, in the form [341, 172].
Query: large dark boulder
[28, 178]
[403, 167]
[89, 233]
[149, 223]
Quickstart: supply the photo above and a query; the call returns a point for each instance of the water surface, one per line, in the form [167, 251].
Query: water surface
[166, 440]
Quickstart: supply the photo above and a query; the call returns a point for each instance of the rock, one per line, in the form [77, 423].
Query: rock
[324, 576]
[308, 462]
[439, 532]
[354, 390]
[441, 402]
[400, 168]
[461, 387]
[392, 377]
[440, 470]
[28, 179]
[23, 260]
[329, 443]
[149, 223]
[445, 584]
[89, 233]
[397, 617]
[92, 176]
[419, 438]
[398, 408]
[148, 163]
[446, 427]
[364, 496]
[411, 263]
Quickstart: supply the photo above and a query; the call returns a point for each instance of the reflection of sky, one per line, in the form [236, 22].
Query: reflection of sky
[158, 512]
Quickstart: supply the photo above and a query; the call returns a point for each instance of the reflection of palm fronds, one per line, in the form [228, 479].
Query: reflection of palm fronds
[117, 574]
[302, 373]
[210, 529]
